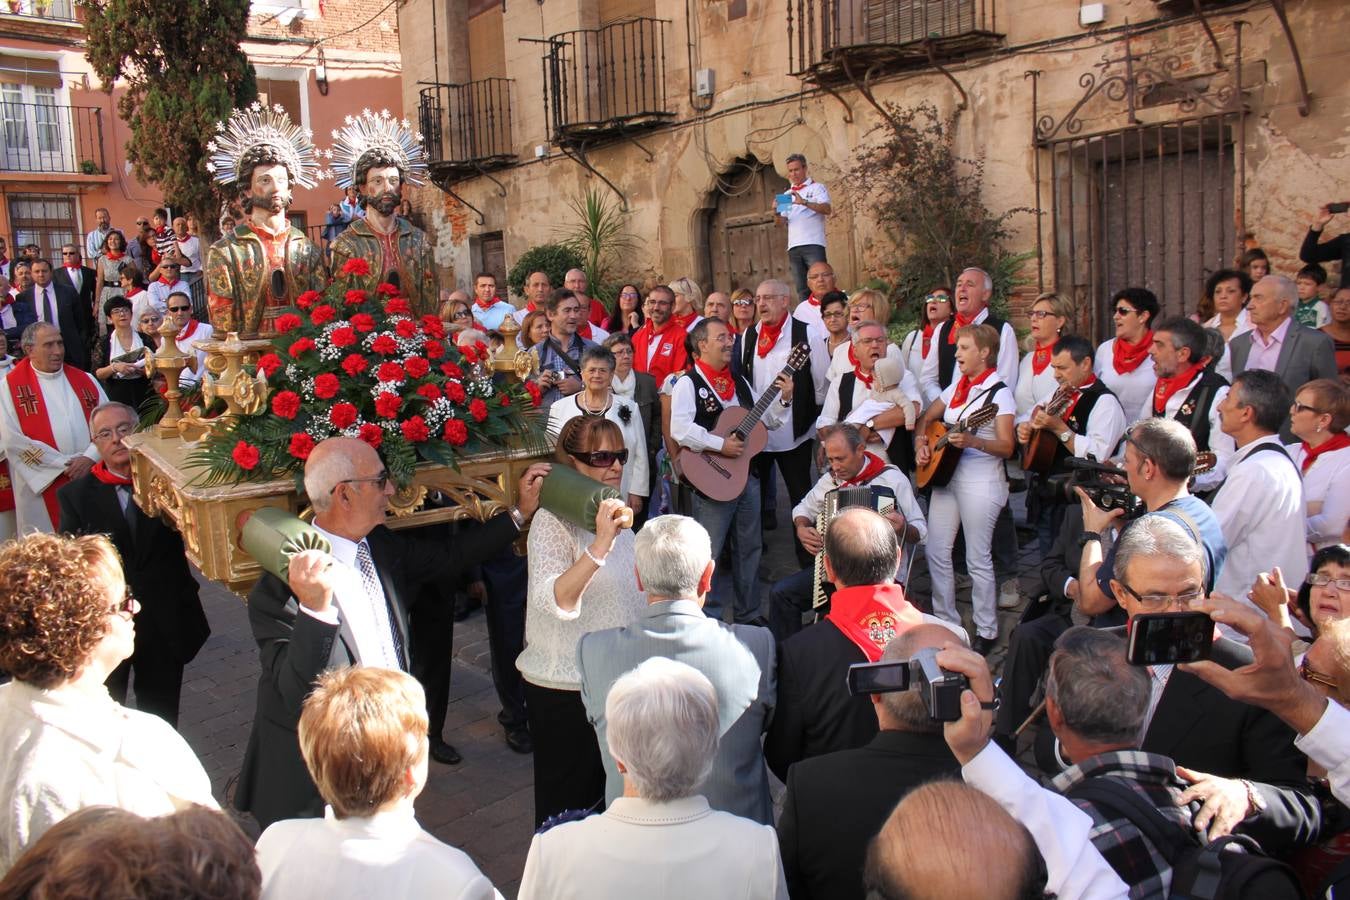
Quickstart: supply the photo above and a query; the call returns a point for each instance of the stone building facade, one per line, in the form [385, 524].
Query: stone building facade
[1153, 141]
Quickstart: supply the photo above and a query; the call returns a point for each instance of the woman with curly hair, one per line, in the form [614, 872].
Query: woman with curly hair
[66, 623]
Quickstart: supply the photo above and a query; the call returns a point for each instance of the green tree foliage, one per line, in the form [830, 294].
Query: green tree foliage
[184, 71]
[929, 201]
[552, 259]
[599, 232]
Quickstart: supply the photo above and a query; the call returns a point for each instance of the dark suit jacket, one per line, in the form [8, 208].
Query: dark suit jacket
[294, 648]
[835, 804]
[648, 400]
[1305, 354]
[85, 295]
[816, 714]
[67, 313]
[155, 565]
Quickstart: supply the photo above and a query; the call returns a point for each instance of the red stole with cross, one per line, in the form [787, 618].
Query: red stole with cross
[31, 411]
[870, 615]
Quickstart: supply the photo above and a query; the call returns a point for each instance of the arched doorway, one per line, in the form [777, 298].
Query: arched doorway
[743, 241]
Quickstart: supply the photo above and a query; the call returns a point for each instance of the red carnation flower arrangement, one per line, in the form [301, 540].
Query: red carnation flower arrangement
[434, 402]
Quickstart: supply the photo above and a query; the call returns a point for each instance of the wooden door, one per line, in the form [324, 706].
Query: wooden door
[746, 245]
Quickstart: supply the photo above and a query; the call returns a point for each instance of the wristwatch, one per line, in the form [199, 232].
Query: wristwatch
[871, 424]
[517, 517]
[1087, 537]
[1065, 436]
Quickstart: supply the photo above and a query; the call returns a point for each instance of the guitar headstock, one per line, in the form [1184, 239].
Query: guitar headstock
[1204, 461]
[798, 357]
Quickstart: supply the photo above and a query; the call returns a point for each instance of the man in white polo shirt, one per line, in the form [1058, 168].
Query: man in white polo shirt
[805, 221]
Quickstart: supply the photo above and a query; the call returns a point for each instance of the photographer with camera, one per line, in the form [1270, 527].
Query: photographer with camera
[1337, 249]
[1159, 457]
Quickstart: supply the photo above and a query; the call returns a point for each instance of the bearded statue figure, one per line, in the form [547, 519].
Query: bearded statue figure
[258, 269]
[378, 155]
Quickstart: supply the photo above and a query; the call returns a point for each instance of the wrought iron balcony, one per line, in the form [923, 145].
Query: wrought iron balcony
[831, 41]
[466, 127]
[605, 82]
[44, 137]
[55, 10]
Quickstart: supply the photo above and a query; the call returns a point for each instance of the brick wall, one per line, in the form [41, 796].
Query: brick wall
[335, 26]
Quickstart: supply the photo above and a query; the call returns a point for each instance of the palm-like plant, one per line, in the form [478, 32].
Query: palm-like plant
[599, 234]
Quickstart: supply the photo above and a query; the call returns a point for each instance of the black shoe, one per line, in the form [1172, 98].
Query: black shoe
[444, 754]
[465, 607]
[518, 739]
[983, 645]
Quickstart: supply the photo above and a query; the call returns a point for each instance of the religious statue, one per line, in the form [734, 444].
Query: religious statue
[260, 267]
[378, 155]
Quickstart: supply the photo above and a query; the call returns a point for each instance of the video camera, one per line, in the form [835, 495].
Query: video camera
[940, 689]
[1103, 483]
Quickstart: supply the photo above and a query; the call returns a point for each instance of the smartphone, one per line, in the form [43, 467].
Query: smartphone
[1341, 207]
[1161, 638]
[878, 677]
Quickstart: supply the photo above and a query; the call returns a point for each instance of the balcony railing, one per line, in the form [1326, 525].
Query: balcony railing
[832, 40]
[55, 10]
[43, 137]
[467, 127]
[606, 81]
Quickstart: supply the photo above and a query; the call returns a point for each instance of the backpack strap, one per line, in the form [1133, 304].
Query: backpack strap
[1276, 447]
[1118, 799]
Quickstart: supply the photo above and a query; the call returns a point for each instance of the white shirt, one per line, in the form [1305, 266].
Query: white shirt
[1243, 323]
[976, 465]
[911, 351]
[865, 406]
[768, 367]
[1062, 831]
[692, 436]
[1327, 481]
[635, 478]
[808, 312]
[192, 345]
[191, 248]
[1220, 444]
[1007, 358]
[49, 293]
[116, 349]
[891, 477]
[1105, 427]
[364, 620]
[1328, 744]
[65, 749]
[1260, 510]
[1033, 390]
[1133, 389]
[806, 226]
[384, 855]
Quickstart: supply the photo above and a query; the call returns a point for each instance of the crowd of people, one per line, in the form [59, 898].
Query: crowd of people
[1189, 464]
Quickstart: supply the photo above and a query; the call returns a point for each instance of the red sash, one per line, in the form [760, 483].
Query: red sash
[6, 488]
[31, 411]
[871, 615]
[685, 320]
[927, 339]
[872, 466]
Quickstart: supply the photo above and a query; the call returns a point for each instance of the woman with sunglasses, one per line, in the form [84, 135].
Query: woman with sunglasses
[627, 316]
[1318, 417]
[123, 380]
[742, 310]
[1123, 363]
[579, 581]
[936, 309]
[66, 624]
[456, 314]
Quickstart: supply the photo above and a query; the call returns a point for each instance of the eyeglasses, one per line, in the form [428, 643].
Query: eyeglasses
[1157, 601]
[1311, 675]
[939, 298]
[832, 314]
[1038, 314]
[126, 605]
[658, 301]
[601, 459]
[742, 302]
[460, 314]
[630, 295]
[69, 253]
[119, 432]
[379, 481]
[1321, 579]
[180, 309]
[1303, 407]
[1125, 311]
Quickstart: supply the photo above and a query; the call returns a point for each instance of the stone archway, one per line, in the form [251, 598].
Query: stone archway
[742, 242]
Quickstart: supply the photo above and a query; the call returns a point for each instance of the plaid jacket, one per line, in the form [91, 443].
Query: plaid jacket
[1136, 861]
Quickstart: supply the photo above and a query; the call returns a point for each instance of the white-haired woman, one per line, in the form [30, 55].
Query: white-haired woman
[661, 834]
[688, 308]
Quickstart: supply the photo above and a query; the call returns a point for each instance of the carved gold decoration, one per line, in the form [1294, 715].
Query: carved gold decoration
[226, 379]
[508, 359]
[407, 500]
[170, 361]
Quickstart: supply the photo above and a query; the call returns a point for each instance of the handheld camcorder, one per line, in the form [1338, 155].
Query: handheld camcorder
[940, 689]
[1104, 483]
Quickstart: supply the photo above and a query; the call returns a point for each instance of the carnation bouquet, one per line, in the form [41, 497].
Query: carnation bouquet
[350, 362]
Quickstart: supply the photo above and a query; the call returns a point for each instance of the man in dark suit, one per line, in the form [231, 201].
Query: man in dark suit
[674, 567]
[836, 803]
[170, 627]
[347, 607]
[81, 279]
[816, 714]
[1277, 342]
[46, 301]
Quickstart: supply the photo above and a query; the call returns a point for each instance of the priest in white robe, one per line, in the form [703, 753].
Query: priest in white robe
[44, 426]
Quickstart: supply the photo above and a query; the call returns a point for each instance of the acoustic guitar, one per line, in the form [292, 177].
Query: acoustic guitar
[1038, 453]
[719, 477]
[943, 454]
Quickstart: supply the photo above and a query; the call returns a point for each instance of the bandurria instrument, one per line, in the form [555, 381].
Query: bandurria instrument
[874, 497]
[720, 477]
[943, 455]
[1039, 452]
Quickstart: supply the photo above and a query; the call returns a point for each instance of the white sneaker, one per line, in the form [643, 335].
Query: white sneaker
[1009, 595]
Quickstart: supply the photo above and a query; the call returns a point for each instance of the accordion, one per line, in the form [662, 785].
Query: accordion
[875, 497]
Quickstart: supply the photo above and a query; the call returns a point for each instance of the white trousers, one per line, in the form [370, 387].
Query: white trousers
[973, 506]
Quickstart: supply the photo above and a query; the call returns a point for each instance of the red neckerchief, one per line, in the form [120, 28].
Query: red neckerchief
[1077, 394]
[1310, 454]
[960, 322]
[684, 320]
[108, 476]
[720, 379]
[188, 330]
[872, 466]
[927, 338]
[1128, 357]
[488, 305]
[31, 411]
[584, 330]
[811, 299]
[1040, 358]
[134, 291]
[114, 254]
[74, 268]
[797, 187]
[1166, 387]
[870, 615]
[768, 336]
[965, 384]
[530, 307]
[166, 282]
[857, 370]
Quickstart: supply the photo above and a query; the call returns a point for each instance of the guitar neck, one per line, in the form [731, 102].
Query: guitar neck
[757, 411]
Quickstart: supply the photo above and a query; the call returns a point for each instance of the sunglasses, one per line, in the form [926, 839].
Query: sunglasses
[460, 314]
[379, 481]
[1309, 674]
[742, 303]
[937, 298]
[601, 459]
[126, 605]
[180, 309]
[69, 253]
[1125, 311]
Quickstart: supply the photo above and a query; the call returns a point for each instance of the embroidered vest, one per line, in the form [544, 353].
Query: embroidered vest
[708, 406]
[1078, 419]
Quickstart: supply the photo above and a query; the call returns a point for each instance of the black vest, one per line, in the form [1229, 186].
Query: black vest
[947, 352]
[805, 411]
[708, 406]
[1077, 420]
[846, 394]
[1194, 410]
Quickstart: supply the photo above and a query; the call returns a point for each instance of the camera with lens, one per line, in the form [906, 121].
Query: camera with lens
[940, 689]
[1104, 484]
